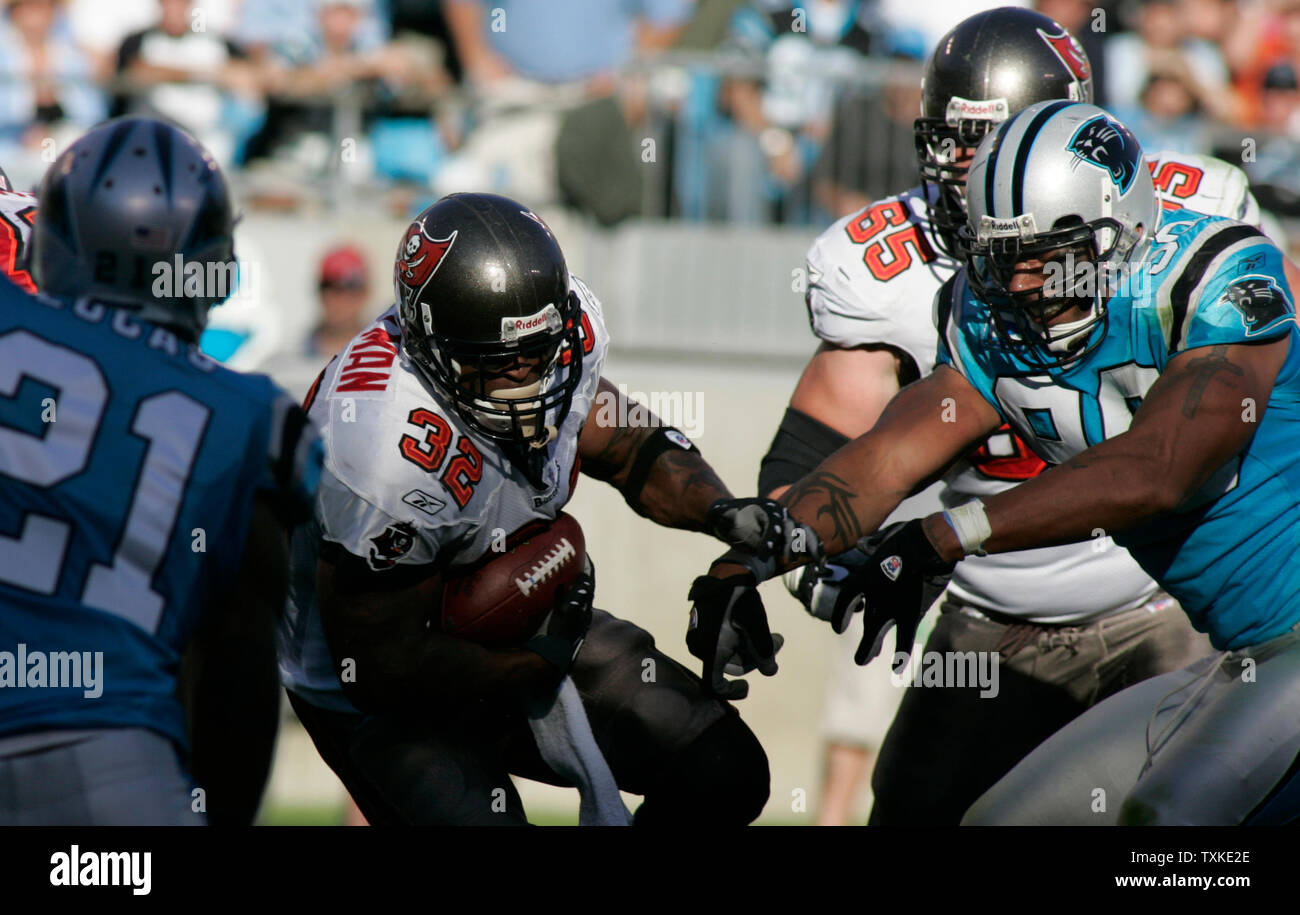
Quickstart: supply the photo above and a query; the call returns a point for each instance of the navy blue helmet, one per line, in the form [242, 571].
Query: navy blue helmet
[137, 214]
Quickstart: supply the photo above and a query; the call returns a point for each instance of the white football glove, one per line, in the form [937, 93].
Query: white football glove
[818, 587]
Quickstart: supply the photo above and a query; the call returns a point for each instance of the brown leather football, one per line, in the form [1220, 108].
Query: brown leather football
[503, 600]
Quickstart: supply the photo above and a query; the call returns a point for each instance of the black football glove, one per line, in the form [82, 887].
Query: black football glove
[728, 632]
[764, 536]
[817, 587]
[562, 632]
[902, 576]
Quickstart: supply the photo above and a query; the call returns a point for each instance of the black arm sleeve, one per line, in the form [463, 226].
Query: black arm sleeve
[800, 444]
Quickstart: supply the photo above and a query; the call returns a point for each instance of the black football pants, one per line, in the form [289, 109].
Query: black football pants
[690, 756]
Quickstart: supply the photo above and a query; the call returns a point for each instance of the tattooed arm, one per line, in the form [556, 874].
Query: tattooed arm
[927, 426]
[680, 485]
[1199, 414]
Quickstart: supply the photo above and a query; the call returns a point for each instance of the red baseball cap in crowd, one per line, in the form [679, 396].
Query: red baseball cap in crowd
[343, 265]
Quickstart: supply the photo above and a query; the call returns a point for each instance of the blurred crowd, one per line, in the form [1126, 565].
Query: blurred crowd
[753, 111]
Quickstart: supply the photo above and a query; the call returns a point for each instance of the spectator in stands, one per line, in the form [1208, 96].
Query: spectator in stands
[871, 152]
[1262, 34]
[195, 77]
[47, 91]
[545, 75]
[1169, 116]
[267, 27]
[1275, 170]
[337, 62]
[1280, 102]
[99, 28]
[345, 306]
[809, 51]
[1163, 43]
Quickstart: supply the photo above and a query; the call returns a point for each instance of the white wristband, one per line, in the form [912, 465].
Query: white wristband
[971, 525]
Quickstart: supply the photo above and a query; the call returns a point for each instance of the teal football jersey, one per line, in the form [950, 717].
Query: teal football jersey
[1230, 553]
[129, 463]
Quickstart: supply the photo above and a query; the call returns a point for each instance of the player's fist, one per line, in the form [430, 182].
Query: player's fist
[728, 631]
[899, 580]
[764, 536]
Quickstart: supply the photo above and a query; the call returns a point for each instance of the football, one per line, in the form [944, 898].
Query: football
[503, 600]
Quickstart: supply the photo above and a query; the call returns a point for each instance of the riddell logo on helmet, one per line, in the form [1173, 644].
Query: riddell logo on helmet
[1017, 227]
[964, 109]
[548, 319]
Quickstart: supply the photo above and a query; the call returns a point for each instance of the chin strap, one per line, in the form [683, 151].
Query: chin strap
[551, 433]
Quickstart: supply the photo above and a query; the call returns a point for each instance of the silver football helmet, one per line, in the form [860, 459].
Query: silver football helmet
[1062, 186]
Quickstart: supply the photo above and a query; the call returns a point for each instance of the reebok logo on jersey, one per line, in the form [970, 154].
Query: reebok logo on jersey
[418, 498]
[892, 567]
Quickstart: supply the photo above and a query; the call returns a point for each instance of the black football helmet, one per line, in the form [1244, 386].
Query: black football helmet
[988, 68]
[481, 283]
[128, 196]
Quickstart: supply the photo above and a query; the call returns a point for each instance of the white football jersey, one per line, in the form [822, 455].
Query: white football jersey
[1204, 184]
[407, 482]
[17, 214]
[872, 278]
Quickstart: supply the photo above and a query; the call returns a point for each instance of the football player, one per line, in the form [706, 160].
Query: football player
[1071, 625]
[144, 494]
[1149, 359]
[459, 417]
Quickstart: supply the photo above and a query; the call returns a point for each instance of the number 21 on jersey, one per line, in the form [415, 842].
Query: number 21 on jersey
[170, 423]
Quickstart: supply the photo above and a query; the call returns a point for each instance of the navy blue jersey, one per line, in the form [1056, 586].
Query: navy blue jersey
[1231, 552]
[129, 463]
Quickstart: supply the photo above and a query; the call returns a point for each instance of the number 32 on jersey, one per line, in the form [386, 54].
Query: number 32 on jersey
[429, 451]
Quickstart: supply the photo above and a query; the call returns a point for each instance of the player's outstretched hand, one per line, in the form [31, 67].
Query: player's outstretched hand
[817, 587]
[766, 539]
[901, 577]
[565, 628]
[728, 632]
